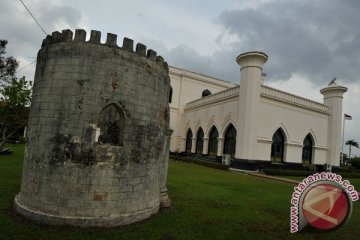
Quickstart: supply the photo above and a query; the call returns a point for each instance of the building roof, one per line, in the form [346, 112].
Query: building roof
[202, 77]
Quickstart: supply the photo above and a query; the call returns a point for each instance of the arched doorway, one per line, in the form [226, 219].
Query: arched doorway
[213, 141]
[277, 146]
[188, 143]
[230, 141]
[307, 150]
[199, 141]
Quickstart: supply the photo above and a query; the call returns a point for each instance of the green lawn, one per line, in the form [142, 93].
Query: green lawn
[206, 204]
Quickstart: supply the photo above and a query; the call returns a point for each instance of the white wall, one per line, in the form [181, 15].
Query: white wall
[276, 111]
[188, 86]
[297, 116]
[296, 123]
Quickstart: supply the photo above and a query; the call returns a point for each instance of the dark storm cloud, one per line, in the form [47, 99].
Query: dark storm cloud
[316, 39]
[319, 39]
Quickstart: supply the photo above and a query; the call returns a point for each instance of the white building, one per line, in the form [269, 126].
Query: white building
[253, 122]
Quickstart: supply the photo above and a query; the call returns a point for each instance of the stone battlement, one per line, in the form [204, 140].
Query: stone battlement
[67, 36]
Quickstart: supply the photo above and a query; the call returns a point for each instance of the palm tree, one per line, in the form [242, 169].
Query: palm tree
[352, 143]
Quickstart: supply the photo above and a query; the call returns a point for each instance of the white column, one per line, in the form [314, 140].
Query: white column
[220, 148]
[182, 143]
[205, 146]
[333, 98]
[164, 197]
[249, 102]
[193, 145]
[25, 130]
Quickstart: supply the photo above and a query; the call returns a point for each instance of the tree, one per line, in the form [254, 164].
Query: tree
[13, 111]
[352, 143]
[8, 65]
[355, 162]
[16, 95]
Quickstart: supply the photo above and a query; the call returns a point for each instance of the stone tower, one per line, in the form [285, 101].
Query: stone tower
[98, 133]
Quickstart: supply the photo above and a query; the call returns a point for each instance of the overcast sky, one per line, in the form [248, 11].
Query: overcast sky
[308, 42]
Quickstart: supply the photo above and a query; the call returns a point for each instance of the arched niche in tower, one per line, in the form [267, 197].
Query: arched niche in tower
[111, 123]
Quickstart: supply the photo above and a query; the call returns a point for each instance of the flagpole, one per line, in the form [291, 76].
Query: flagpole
[343, 140]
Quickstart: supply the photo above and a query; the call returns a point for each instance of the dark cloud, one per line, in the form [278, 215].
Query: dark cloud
[317, 39]
[314, 39]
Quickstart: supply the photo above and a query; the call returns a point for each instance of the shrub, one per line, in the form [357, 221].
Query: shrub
[203, 163]
[351, 174]
[355, 162]
[282, 172]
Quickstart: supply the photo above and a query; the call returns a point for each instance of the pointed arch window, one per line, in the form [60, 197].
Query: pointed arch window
[170, 94]
[111, 122]
[188, 145]
[230, 141]
[307, 150]
[200, 141]
[277, 146]
[213, 141]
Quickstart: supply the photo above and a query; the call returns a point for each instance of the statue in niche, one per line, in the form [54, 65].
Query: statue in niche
[111, 123]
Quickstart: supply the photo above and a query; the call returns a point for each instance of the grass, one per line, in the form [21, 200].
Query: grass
[206, 204]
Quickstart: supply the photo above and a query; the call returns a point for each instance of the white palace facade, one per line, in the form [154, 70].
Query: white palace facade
[253, 122]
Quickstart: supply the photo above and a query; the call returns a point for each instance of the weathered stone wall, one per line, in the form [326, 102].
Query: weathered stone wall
[97, 132]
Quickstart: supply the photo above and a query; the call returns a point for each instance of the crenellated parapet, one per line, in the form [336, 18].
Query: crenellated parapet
[67, 36]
